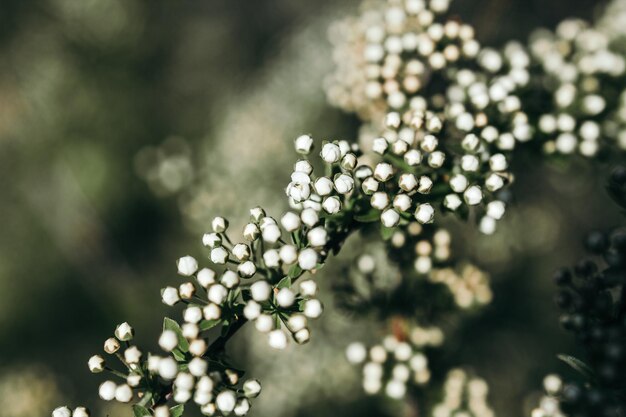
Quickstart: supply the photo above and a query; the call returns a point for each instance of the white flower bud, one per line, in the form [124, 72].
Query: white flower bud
[344, 183]
[383, 171]
[312, 308]
[302, 336]
[206, 277]
[349, 161]
[494, 182]
[288, 254]
[425, 185]
[413, 157]
[198, 347]
[470, 163]
[297, 322]
[111, 345]
[209, 409]
[308, 288]
[356, 353]
[304, 144]
[390, 218]
[309, 217]
[242, 407]
[290, 221]
[219, 255]
[264, 323]
[307, 259]
[323, 186]
[211, 240]
[277, 339]
[80, 412]
[187, 265]
[260, 291]
[184, 381]
[124, 332]
[317, 237]
[186, 290]
[407, 182]
[498, 162]
[123, 393]
[168, 340]
[61, 412]
[132, 355]
[496, 209]
[241, 252]
[370, 185]
[226, 401]
[96, 364]
[303, 166]
[331, 205]
[271, 258]
[217, 294]
[219, 224]
[190, 330]
[425, 213]
[473, 195]
[153, 363]
[211, 312]
[402, 202]
[193, 314]
[229, 279]
[252, 310]
[379, 200]
[257, 213]
[436, 159]
[452, 201]
[285, 297]
[458, 183]
[251, 388]
[247, 269]
[251, 232]
[271, 233]
[162, 411]
[429, 143]
[198, 367]
[380, 145]
[205, 384]
[330, 153]
[106, 391]
[133, 380]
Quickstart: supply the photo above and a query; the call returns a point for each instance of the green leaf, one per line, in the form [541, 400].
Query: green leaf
[141, 411]
[177, 411]
[387, 232]
[169, 324]
[209, 324]
[578, 365]
[369, 217]
[294, 272]
[285, 282]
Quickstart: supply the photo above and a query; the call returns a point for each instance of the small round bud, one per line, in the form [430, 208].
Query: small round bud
[168, 340]
[304, 144]
[96, 364]
[187, 265]
[106, 391]
[124, 332]
[111, 345]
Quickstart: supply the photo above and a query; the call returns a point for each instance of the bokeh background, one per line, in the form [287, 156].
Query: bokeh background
[126, 124]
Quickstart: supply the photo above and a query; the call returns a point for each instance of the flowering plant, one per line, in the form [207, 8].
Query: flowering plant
[443, 118]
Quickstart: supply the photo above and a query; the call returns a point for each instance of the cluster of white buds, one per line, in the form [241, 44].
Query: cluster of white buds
[463, 396]
[549, 404]
[469, 285]
[399, 361]
[65, 411]
[475, 171]
[432, 245]
[391, 51]
[581, 67]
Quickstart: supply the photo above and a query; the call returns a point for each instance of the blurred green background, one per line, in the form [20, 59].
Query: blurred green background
[126, 124]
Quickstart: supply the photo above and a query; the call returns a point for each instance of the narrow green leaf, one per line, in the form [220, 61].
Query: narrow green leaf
[387, 232]
[285, 282]
[208, 324]
[169, 324]
[294, 272]
[578, 365]
[177, 411]
[141, 411]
